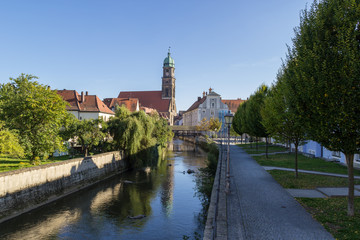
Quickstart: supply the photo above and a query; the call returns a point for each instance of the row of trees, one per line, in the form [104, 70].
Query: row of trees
[318, 86]
[34, 123]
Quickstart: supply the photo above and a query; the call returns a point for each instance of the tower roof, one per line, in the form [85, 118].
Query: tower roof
[169, 61]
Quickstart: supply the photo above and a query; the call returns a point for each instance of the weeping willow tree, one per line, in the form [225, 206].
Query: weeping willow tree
[137, 133]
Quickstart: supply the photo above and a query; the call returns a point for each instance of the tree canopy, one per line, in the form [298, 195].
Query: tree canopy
[36, 112]
[325, 58]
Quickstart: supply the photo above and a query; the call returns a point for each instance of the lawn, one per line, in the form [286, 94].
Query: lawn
[307, 181]
[251, 148]
[304, 163]
[332, 214]
[9, 163]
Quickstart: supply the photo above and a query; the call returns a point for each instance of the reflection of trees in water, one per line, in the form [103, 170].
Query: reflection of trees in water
[38, 228]
[167, 191]
[135, 198]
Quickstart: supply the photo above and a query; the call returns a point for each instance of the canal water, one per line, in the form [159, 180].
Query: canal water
[164, 194]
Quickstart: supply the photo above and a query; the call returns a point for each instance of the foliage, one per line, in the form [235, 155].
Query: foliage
[137, 132]
[253, 116]
[280, 114]
[206, 176]
[203, 125]
[88, 133]
[9, 142]
[325, 59]
[214, 124]
[236, 124]
[35, 111]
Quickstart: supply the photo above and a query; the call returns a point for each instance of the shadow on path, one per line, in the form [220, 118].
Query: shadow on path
[259, 208]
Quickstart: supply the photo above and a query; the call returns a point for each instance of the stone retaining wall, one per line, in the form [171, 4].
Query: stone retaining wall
[24, 189]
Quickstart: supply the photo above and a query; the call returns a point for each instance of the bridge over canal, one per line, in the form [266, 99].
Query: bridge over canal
[186, 131]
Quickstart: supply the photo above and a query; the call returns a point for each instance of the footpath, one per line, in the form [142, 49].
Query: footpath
[257, 207]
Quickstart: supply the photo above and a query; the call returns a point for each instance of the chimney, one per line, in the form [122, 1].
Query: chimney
[199, 98]
[82, 97]
[86, 93]
[203, 93]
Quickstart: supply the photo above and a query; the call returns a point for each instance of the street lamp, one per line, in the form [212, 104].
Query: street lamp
[228, 121]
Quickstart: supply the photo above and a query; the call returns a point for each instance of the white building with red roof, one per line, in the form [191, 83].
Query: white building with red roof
[85, 106]
[209, 106]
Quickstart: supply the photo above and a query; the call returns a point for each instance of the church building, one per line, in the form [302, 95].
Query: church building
[162, 101]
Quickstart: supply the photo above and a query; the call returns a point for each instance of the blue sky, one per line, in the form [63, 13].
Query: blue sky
[106, 46]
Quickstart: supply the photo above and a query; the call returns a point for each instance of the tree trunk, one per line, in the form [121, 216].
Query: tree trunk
[266, 148]
[256, 140]
[86, 152]
[350, 164]
[296, 159]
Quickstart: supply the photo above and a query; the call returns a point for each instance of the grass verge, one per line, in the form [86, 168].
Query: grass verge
[251, 148]
[8, 163]
[307, 181]
[304, 163]
[332, 214]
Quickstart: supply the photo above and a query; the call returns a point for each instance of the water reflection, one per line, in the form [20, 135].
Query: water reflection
[164, 194]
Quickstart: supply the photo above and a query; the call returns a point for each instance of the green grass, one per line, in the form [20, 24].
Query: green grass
[307, 181]
[251, 149]
[304, 163]
[332, 214]
[10, 163]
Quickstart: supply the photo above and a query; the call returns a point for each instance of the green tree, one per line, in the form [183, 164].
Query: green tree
[237, 126]
[253, 115]
[137, 132]
[162, 132]
[9, 142]
[35, 111]
[280, 114]
[214, 124]
[88, 133]
[327, 58]
[203, 125]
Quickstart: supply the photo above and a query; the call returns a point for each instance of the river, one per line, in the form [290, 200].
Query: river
[165, 195]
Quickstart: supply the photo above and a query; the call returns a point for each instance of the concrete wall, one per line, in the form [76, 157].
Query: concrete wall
[24, 189]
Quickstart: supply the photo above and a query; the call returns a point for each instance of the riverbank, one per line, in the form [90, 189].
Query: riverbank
[26, 189]
[163, 193]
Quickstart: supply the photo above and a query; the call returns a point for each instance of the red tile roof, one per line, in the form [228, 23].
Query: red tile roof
[129, 103]
[233, 104]
[196, 104]
[150, 99]
[91, 103]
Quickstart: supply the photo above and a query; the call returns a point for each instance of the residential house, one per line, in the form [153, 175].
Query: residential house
[85, 106]
[130, 103]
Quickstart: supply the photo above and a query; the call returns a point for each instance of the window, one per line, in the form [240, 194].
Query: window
[336, 154]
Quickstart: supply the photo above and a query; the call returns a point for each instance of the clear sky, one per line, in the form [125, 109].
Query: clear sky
[108, 46]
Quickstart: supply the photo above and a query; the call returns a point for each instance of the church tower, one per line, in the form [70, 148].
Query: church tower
[168, 85]
[168, 79]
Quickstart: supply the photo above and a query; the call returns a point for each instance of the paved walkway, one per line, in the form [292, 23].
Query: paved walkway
[259, 208]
